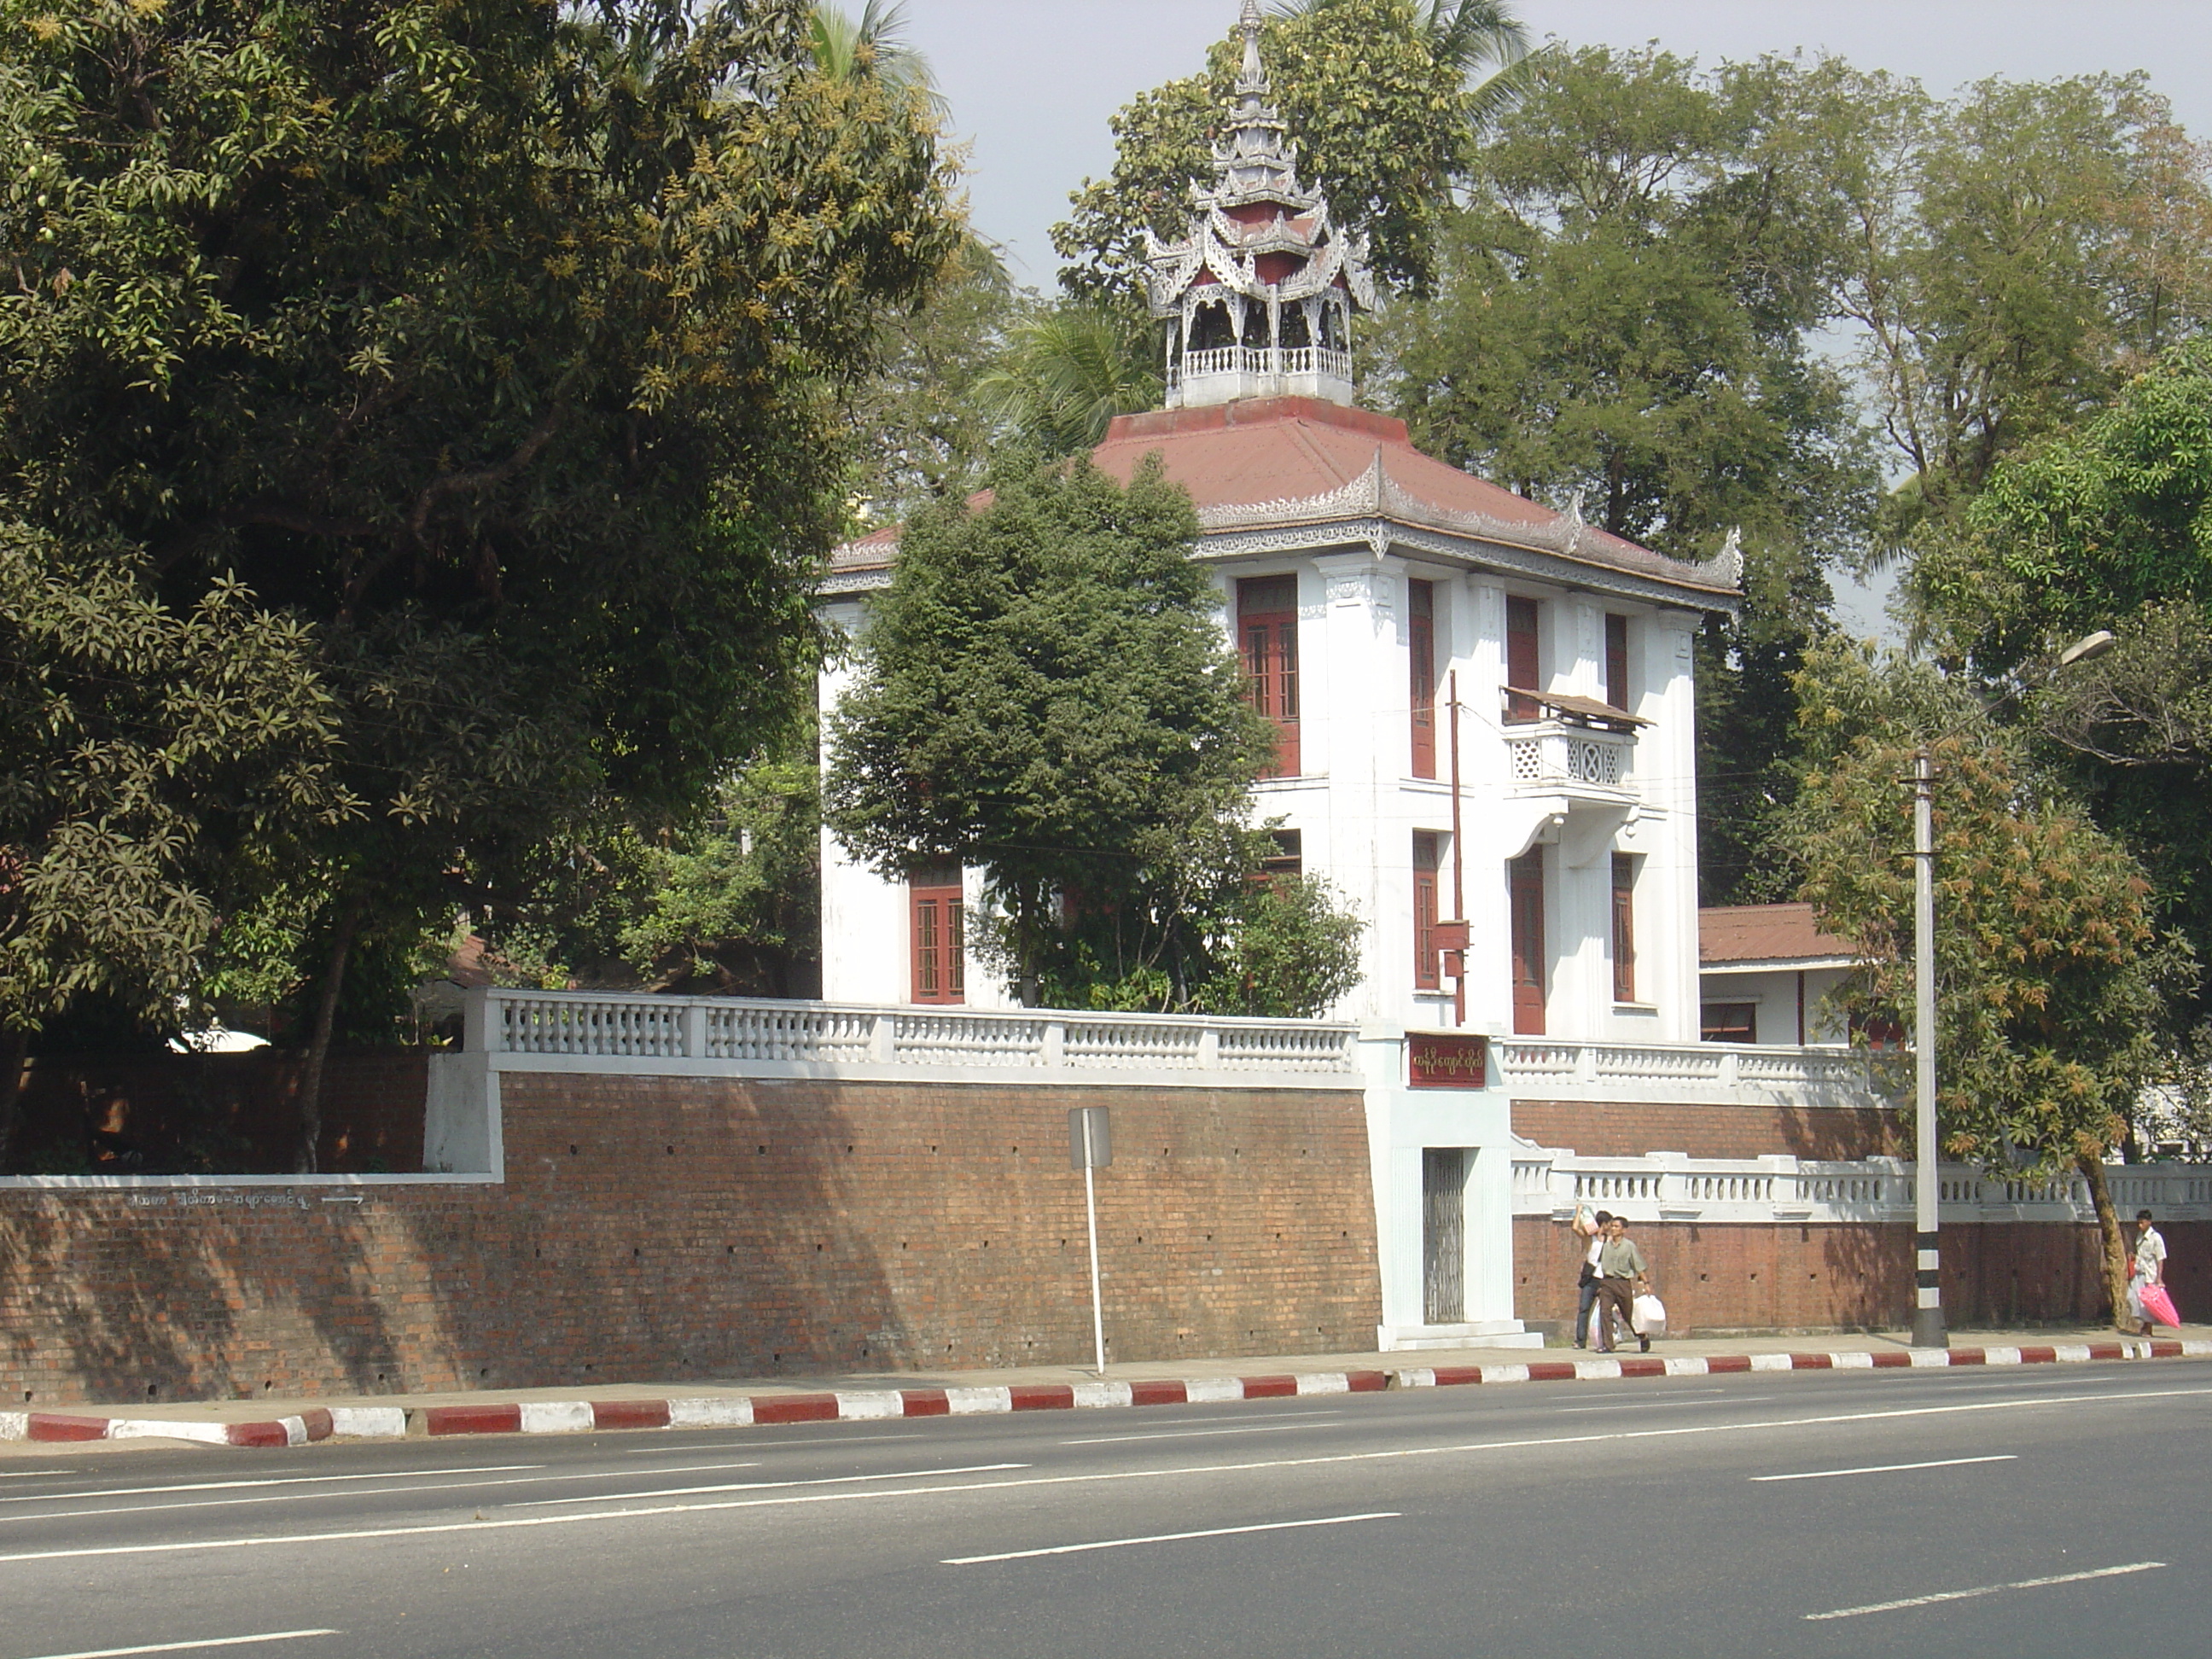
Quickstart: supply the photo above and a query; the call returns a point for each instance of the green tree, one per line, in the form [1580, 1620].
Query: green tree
[2016, 252]
[1067, 370]
[926, 422]
[733, 905]
[2052, 979]
[1044, 694]
[874, 43]
[504, 342]
[2109, 525]
[1622, 318]
[145, 757]
[1376, 92]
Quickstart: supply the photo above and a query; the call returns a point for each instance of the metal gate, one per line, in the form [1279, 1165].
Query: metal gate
[1443, 1234]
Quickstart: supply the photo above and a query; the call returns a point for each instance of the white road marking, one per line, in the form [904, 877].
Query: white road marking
[1215, 1416]
[780, 1443]
[766, 1485]
[1168, 1538]
[370, 1492]
[1657, 1405]
[1546, 1441]
[281, 1480]
[1187, 1434]
[1889, 1469]
[1988, 1589]
[183, 1647]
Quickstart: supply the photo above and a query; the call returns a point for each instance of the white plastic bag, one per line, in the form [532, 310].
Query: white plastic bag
[1649, 1316]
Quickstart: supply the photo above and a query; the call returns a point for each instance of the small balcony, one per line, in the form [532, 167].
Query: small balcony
[1224, 372]
[1558, 745]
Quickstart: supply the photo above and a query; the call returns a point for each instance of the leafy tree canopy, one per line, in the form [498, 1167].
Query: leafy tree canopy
[2052, 979]
[2016, 252]
[503, 342]
[1043, 693]
[2107, 526]
[1623, 318]
[1381, 95]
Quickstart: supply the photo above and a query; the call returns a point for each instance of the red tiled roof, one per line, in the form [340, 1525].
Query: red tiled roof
[1765, 932]
[1268, 453]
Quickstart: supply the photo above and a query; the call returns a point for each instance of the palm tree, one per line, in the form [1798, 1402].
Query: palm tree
[877, 45]
[1068, 370]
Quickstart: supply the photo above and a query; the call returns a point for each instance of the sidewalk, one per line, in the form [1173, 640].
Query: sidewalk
[869, 1396]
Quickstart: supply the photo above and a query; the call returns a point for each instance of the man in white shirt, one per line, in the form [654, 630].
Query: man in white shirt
[2150, 1266]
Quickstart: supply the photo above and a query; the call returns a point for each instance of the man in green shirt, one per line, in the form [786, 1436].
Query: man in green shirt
[1622, 1273]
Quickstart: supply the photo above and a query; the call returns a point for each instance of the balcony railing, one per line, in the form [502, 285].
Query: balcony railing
[1283, 362]
[1553, 756]
[1669, 1186]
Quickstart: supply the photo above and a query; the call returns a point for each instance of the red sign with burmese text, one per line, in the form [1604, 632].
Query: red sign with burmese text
[1440, 1061]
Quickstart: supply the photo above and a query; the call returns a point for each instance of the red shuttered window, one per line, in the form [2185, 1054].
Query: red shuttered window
[937, 929]
[1428, 975]
[1421, 655]
[1525, 884]
[1616, 661]
[1521, 660]
[1624, 927]
[1267, 639]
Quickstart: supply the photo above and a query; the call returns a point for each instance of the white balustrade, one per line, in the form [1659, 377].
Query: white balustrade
[1289, 362]
[1668, 1186]
[1714, 1073]
[631, 1031]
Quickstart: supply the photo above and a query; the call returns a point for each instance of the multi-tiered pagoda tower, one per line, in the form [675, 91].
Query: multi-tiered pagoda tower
[1258, 297]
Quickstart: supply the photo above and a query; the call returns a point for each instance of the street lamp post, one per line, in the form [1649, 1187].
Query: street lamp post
[1927, 1327]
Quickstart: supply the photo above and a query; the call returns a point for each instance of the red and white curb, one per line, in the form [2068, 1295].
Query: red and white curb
[876, 1404]
[1647, 1365]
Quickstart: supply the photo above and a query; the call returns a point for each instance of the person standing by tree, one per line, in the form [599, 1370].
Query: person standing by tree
[2149, 1269]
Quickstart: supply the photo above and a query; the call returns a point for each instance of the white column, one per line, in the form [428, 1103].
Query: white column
[1667, 769]
[1362, 599]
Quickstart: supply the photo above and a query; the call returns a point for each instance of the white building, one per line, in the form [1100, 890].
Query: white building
[1363, 583]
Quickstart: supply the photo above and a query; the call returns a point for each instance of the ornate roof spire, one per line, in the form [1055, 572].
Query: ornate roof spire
[1253, 81]
[1261, 288]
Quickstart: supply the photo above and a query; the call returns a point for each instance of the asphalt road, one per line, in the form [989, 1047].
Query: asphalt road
[2021, 1515]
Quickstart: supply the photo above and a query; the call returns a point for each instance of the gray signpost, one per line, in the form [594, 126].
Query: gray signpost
[1090, 1146]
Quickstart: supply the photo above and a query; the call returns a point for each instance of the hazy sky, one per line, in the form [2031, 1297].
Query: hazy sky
[1032, 83]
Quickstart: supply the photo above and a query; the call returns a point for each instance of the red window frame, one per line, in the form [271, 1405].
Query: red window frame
[1730, 1022]
[1616, 662]
[1525, 888]
[1421, 666]
[1523, 665]
[1428, 960]
[937, 935]
[1267, 641]
[1624, 927]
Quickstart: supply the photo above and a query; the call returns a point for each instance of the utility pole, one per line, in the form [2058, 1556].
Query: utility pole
[1928, 1329]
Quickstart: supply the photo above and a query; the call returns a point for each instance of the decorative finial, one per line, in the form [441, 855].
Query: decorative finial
[1253, 82]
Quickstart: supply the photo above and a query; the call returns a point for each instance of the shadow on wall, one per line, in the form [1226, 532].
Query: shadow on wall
[218, 1113]
[654, 1229]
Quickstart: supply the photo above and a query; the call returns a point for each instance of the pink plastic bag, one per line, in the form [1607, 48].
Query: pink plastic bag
[2158, 1305]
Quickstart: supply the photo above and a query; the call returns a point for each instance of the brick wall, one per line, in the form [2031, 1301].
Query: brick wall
[1628, 1129]
[658, 1229]
[1793, 1277]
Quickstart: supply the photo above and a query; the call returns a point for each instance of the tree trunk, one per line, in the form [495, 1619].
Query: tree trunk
[318, 1044]
[11, 1096]
[2116, 1249]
